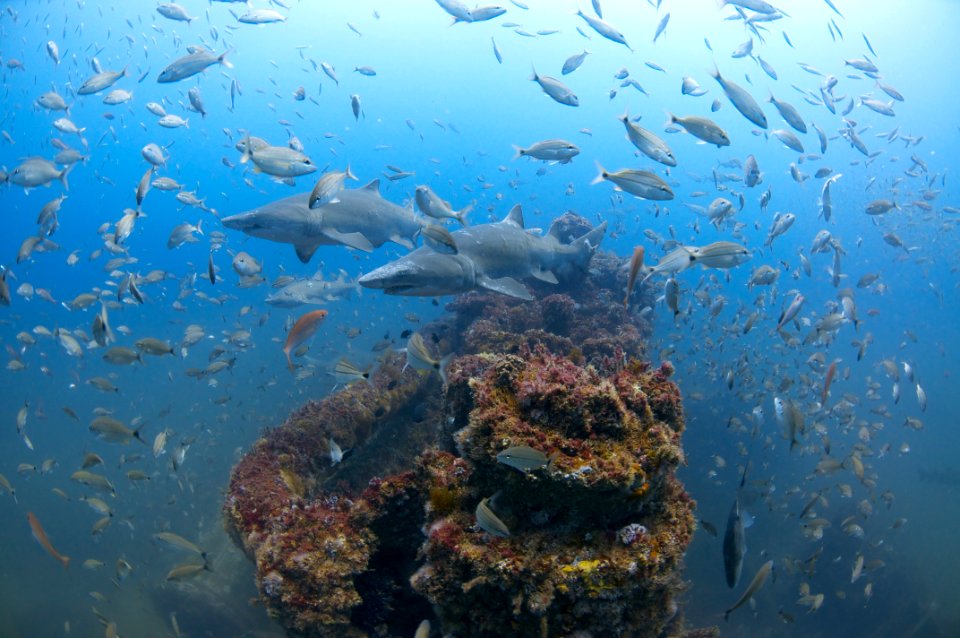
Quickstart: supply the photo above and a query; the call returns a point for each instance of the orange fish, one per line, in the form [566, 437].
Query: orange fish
[41, 537]
[305, 328]
[636, 262]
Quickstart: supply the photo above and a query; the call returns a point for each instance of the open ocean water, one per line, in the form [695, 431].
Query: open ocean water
[435, 101]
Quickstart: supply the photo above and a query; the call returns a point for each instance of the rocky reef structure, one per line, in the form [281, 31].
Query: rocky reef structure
[592, 540]
[532, 495]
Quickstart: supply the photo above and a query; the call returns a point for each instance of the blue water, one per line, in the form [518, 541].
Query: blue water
[465, 110]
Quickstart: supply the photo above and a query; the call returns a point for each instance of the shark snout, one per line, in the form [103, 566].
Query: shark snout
[242, 222]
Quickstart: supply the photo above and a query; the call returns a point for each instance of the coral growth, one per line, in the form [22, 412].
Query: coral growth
[312, 545]
[568, 564]
[421, 519]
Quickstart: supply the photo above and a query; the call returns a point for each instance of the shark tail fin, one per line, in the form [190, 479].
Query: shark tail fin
[587, 244]
[590, 241]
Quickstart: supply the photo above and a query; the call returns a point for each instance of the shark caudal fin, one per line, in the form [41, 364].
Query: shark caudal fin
[587, 244]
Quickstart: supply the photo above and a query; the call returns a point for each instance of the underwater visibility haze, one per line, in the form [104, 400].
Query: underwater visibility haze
[552, 318]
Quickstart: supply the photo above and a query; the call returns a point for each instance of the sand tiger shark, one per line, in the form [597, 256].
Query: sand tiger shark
[489, 256]
[361, 219]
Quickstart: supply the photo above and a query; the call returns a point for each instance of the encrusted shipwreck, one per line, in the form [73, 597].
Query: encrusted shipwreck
[588, 543]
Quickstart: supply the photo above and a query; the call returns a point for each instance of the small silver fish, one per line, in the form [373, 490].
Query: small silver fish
[489, 522]
[523, 458]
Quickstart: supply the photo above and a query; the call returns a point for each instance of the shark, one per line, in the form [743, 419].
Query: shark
[360, 218]
[313, 290]
[488, 256]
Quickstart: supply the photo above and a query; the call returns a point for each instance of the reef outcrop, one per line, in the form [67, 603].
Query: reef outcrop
[426, 519]
[594, 539]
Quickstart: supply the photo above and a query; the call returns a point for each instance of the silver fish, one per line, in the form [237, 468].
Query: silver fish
[643, 184]
[189, 65]
[557, 91]
[560, 151]
[605, 29]
[758, 580]
[328, 186]
[741, 100]
[100, 81]
[523, 458]
[573, 63]
[489, 522]
[647, 142]
[733, 545]
[789, 113]
[702, 128]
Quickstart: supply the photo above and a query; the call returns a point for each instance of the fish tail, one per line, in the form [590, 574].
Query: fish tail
[601, 174]
[534, 77]
[290, 365]
[518, 152]
[442, 367]
[461, 215]
[349, 175]
[222, 59]
[65, 561]
[63, 177]
[246, 148]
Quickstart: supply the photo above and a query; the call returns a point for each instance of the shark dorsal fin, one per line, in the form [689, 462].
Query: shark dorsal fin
[515, 216]
[373, 186]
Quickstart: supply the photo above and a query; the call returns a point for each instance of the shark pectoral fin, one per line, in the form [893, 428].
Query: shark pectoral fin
[403, 241]
[505, 286]
[545, 275]
[305, 251]
[353, 240]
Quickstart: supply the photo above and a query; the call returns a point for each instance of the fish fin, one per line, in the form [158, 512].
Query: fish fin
[505, 286]
[222, 59]
[544, 275]
[442, 367]
[353, 240]
[461, 215]
[305, 251]
[374, 186]
[403, 241]
[554, 230]
[515, 216]
[63, 178]
[588, 243]
[601, 174]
